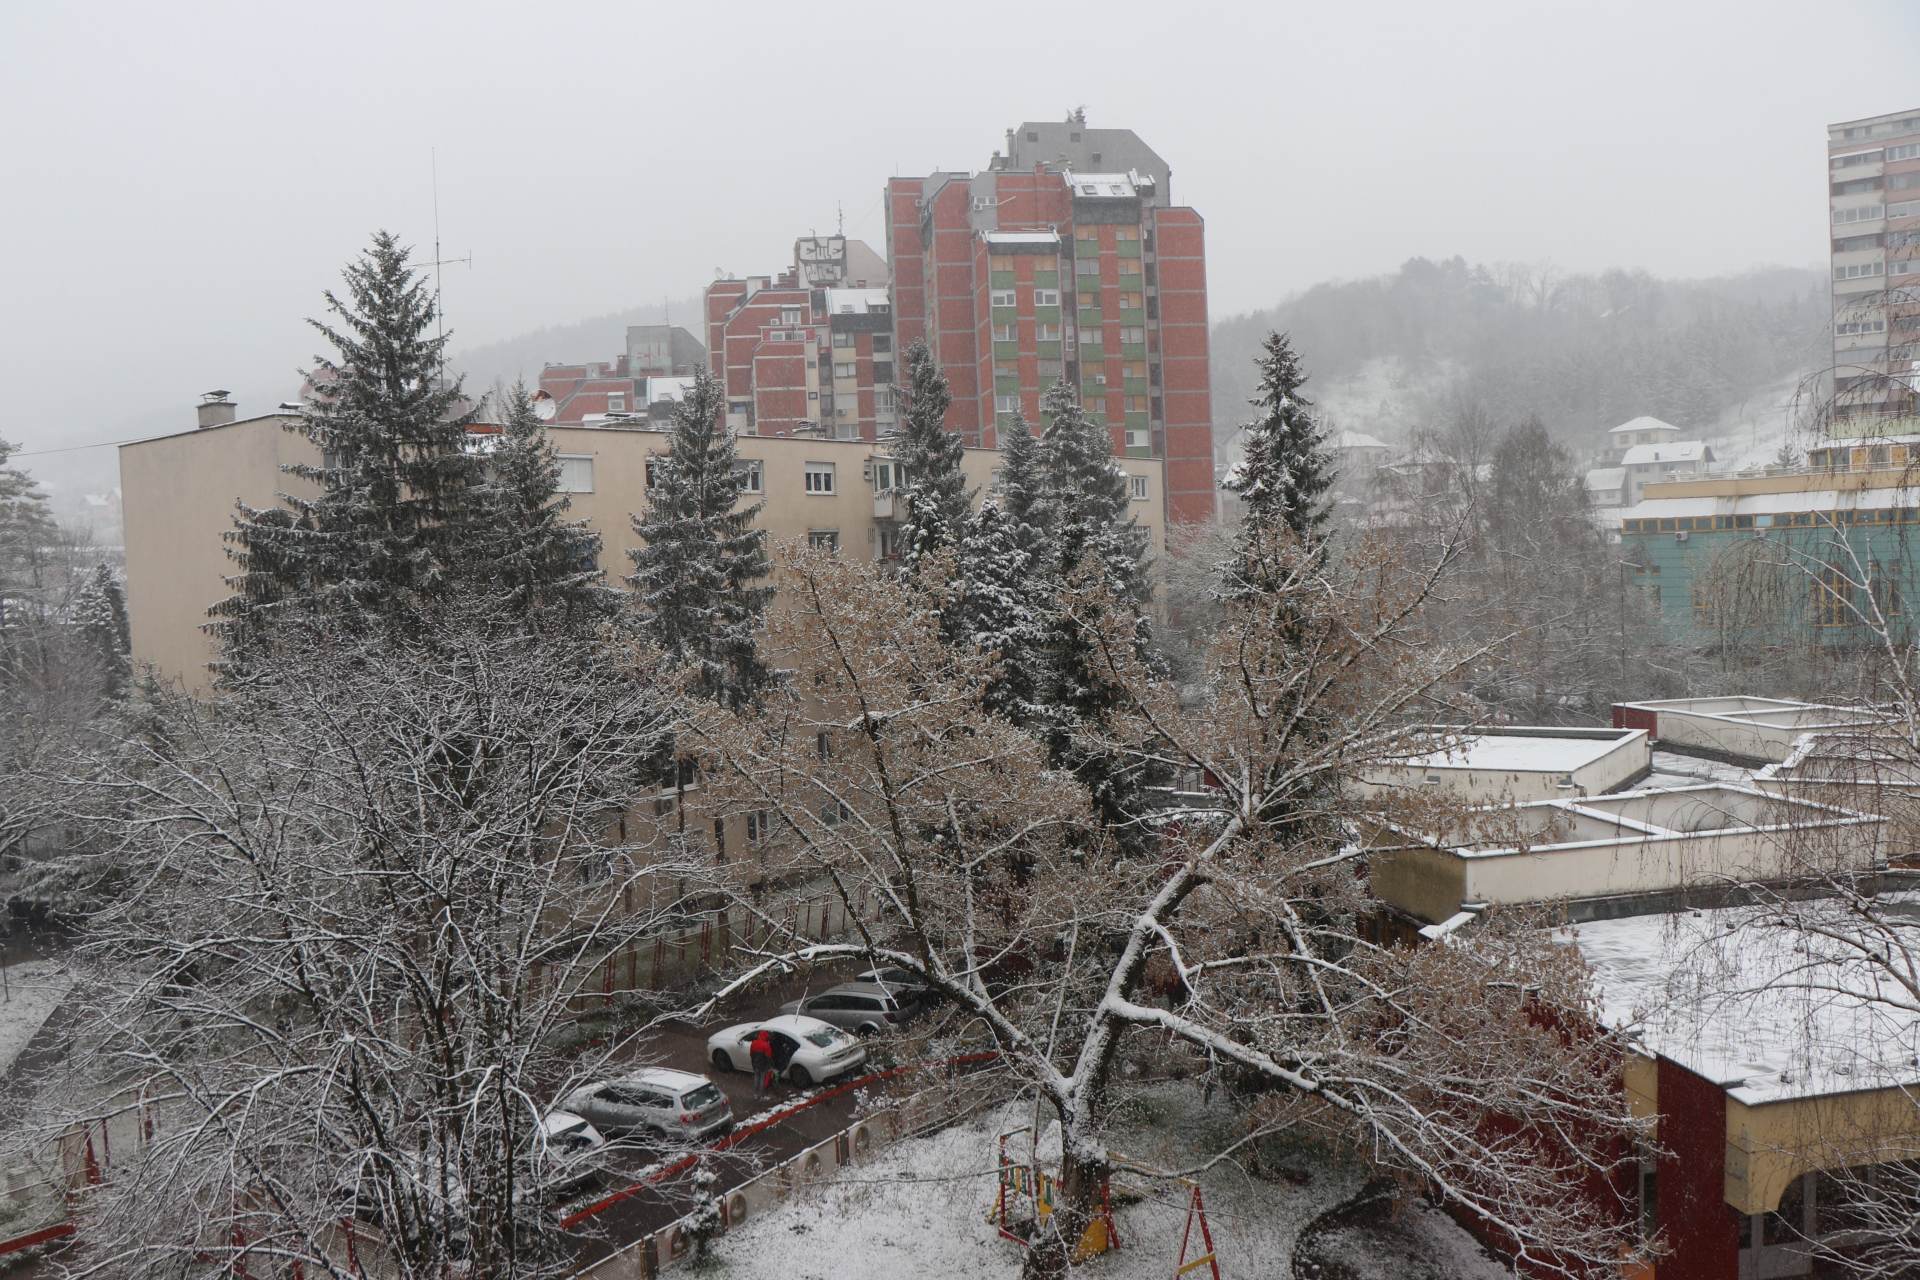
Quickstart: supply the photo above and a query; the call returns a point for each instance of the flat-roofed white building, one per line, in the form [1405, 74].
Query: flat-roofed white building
[1515, 764]
[1597, 856]
[1756, 730]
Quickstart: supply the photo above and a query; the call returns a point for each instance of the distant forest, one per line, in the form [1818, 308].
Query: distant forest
[1582, 352]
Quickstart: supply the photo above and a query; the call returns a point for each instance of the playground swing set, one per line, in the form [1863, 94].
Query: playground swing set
[1026, 1195]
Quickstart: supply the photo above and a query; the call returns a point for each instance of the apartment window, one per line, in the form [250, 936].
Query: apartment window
[1862, 326]
[827, 540]
[1085, 234]
[1095, 378]
[720, 837]
[1044, 332]
[1089, 266]
[882, 344]
[1051, 371]
[1006, 371]
[819, 477]
[1132, 335]
[1006, 333]
[1092, 337]
[1905, 151]
[752, 475]
[842, 339]
[1853, 244]
[1046, 297]
[1903, 181]
[616, 404]
[576, 474]
[1137, 487]
[843, 369]
[759, 825]
[789, 315]
[888, 475]
[823, 745]
[1904, 267]
[1132, 301]
[1136, 404]
[1002, 298]
[1858, 213]
[655, 468]
[1136, 369]
[1856, 270]
[1863, 157]
[1905, 209]
[892, 541]
[1832, 598]
[1137, 439]
[1855, 186]
[1129, 267]
[1006, 404]
[1126, 233]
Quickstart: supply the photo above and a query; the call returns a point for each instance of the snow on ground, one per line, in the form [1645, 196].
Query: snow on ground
[29, 994]
[919, 1209]
[1750, 434]
[1671, 769]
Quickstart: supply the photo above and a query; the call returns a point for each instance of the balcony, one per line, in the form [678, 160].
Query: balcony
[887, 504]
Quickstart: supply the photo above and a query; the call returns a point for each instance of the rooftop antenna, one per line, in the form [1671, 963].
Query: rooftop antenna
[839, 218]
[439, 309]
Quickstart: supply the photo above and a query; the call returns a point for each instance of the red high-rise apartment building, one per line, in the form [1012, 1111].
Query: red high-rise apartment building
[1065, 259]
[810, 351]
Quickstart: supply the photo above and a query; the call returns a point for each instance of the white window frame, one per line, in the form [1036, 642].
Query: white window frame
[827, 540]
[1046, 297]
[617, 402]
[844, 368]
[1138, 489]
[566, 458]
[755, 472]
[821, 479]
[1002, 298]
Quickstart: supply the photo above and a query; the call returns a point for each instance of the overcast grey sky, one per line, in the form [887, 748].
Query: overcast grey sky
[183, 180]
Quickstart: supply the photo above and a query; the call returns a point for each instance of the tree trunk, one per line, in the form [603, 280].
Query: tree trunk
[1077, 1201]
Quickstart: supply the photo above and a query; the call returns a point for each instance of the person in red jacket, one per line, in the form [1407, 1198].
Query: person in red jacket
[762, 1051]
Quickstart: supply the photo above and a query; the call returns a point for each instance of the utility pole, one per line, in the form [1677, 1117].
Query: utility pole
[439, 261]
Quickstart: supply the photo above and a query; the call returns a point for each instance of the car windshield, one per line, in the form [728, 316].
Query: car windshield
[705, 1096]
[824, 1037]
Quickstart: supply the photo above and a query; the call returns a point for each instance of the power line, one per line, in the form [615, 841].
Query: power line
[75, 448]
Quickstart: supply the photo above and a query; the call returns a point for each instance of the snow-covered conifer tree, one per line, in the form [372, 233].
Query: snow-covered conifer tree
[1021, 491]
[100, 614]
[930, 455]
[1284, 476]
[694, 578]
[384, 536]
[1000, 607]
[546, 568]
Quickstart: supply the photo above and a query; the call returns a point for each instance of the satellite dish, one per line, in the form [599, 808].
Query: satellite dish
[545, 406]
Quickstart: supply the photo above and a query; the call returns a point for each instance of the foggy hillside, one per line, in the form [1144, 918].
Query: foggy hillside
[598, 338]
[1583, 352]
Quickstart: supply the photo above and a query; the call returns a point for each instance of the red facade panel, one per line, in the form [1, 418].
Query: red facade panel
[1701, 1229]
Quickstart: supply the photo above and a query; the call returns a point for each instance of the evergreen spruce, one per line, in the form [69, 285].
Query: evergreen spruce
[1001, 607]
[694, 577]
[545, 569]
[1284, 476]
[100, 615]
[930, 455]
[27, 534]
[1092, 532]
[1021, 491]
[382, 541]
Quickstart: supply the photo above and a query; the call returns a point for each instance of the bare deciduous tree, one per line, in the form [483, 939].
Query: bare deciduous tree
[357, 909]
[966, 861]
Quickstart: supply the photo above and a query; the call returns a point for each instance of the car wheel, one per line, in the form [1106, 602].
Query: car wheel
[721, 1060]
[797, 1076]
[869, 1029]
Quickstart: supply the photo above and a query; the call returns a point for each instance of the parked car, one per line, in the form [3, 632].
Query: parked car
[908, 986]
[866, 1008]
[572, 1149]
[804, 1049]
[672, 1104]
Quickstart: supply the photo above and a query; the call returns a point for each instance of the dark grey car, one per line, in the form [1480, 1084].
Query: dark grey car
[865, 1008]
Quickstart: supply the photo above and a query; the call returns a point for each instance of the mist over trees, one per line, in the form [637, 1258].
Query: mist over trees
[1582, 353]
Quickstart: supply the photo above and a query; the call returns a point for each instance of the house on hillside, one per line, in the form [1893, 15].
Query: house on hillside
[1647, 464]
[1641, 430]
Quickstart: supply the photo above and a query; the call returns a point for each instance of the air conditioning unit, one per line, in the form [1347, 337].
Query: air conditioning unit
[1681, 536]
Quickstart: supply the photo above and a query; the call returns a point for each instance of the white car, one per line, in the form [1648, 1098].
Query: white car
[805, 1049]
[673, 1104]
[571, 1147]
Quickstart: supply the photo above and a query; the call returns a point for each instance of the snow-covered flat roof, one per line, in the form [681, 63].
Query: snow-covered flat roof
[1516, 753]
[1021, 237]
[1773, 504]
[1767, 1012]
[1604, 478]
[1673, 451]
[857, 302]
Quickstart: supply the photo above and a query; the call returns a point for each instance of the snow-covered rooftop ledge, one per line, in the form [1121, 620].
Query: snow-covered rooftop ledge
[1515, 763]
[1634, 842]
[1815, 1064]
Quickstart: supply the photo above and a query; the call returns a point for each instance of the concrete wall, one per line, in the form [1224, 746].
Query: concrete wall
[1763, 729]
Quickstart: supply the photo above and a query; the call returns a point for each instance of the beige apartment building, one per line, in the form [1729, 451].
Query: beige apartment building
[1873, 201]
[179, 494]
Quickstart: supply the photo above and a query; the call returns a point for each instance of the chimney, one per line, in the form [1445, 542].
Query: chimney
[215, 410]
